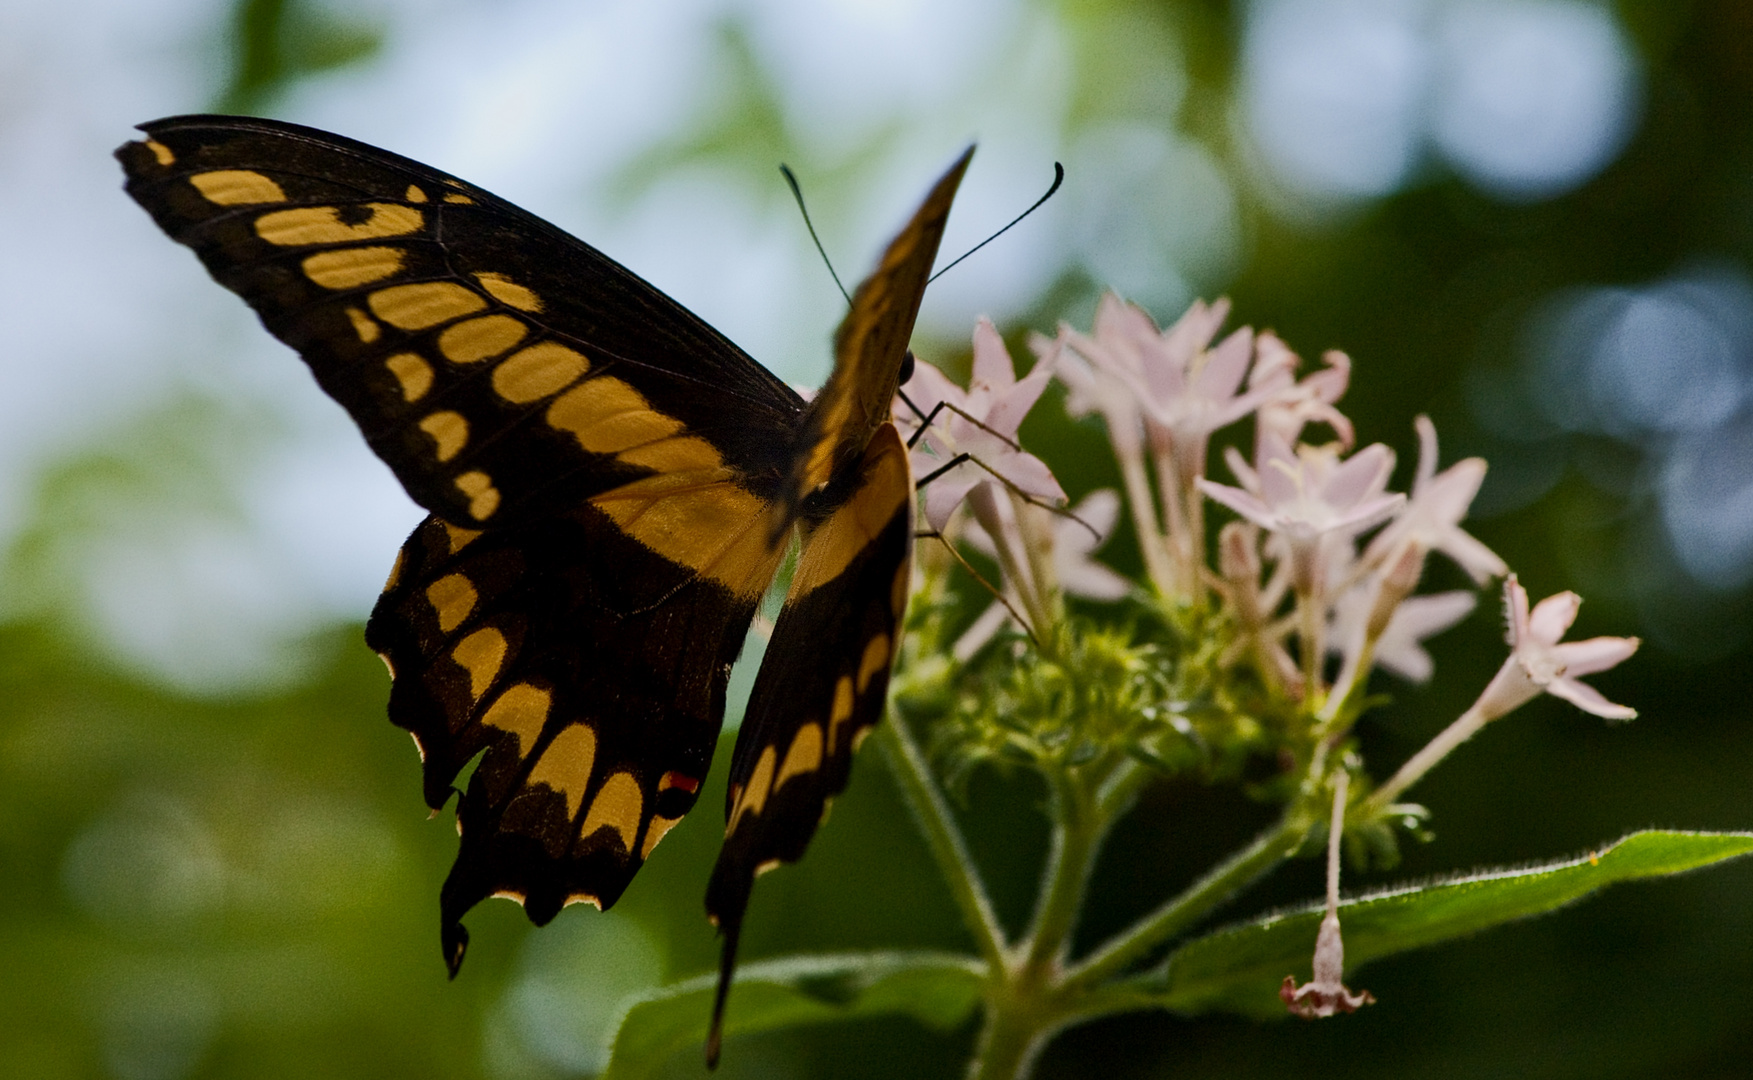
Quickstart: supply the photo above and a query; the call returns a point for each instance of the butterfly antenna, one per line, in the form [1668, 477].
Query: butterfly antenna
[797, 193]
[1058, 178]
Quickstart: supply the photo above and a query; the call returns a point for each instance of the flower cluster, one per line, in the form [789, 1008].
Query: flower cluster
[1261, 637]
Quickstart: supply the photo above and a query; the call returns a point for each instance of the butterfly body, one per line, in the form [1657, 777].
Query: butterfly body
[611, 485]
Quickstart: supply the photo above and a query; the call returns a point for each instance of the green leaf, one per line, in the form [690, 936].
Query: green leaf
[1239, 968]
[937, 989]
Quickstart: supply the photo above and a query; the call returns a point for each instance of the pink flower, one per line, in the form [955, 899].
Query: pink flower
[980, 423]
[1073, 544]
[1400, 649]
[1170, 376]
[1432, 517]
[1290, 405]
[1540, 663]
[1306, 494]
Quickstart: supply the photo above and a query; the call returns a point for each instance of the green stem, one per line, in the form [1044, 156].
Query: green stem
[1076, 834]
[1012, 1039]
[1181, 913]
[954, 860]
[1465, 727]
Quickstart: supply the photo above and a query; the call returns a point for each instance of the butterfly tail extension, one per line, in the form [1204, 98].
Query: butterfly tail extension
[823, 685]
[870, 350]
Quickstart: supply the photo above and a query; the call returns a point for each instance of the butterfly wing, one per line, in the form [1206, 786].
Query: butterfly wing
[821, 688]
[869, 349]
[824, 682]
[502, 368]
[599, 465]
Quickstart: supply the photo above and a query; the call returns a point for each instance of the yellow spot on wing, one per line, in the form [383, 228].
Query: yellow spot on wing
[424, 304]
[452, 597]
[480, 654]
[458, 537]
[843, 700]
[754, 797]
[804, 756]
[565, 765]
[522, 710]
[617, 806]
[349, 268]
[367, 330]
[483, 496]
[876, 658]
[414, 194]
[477, 339]
[463, 199]
[687, 454]
[699, 521]
[509, 292]
[583, 898]
[449, 430]
[161, 152]
[883, 491]
[235, 187]
[607, 416]
[657, 830]
[323, 224]
[414, 373]
[533, 373]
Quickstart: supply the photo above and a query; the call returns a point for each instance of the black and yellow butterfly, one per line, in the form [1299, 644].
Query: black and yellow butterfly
[612, 486]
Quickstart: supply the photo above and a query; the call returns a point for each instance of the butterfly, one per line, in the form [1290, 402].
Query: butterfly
[611, 487]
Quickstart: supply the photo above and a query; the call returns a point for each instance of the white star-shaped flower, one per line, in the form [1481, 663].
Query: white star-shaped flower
[1540, 663]
[980, 422]
[1432, 517]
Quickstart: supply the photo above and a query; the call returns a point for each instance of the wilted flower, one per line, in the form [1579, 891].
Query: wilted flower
[977, 425]
[1326, 993]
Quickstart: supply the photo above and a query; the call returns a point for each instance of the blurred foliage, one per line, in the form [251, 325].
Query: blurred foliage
[276, 42]
[205, 887]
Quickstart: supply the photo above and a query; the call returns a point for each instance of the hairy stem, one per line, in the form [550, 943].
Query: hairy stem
[1465, 727]
[1076, 835]
[945, 840]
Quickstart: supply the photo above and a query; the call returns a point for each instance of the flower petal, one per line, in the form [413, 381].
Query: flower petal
[1552, 617]
[1588, 699]
[1596, 654]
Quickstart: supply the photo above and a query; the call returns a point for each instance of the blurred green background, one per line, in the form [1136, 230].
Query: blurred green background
[1532, 219]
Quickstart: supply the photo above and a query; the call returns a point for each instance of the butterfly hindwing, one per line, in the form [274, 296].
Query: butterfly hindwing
[502, 368]
[590, 675]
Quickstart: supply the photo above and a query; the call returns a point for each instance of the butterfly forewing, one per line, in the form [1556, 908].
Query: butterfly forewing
[869, 349]
[823, 685]
[503, 369]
